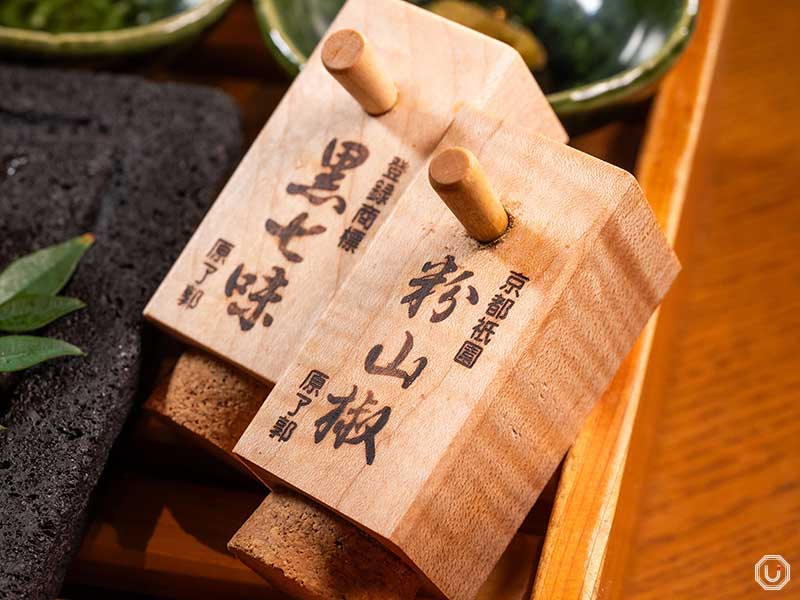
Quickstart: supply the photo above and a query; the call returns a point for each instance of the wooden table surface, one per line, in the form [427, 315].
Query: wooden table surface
[713, 479]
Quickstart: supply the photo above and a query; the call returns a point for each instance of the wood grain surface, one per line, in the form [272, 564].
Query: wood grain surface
[167, 538]
[443, 435]
[322, 177]
[590, 484]
[713, 483]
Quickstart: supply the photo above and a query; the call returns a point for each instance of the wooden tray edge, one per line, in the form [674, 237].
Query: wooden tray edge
[572, 560]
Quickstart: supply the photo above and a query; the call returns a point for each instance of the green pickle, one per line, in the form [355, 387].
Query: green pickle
[494, 23]
[61, 16]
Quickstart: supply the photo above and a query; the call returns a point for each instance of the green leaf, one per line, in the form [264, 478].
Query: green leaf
[27, 312]
[19, 352]
[45, 271]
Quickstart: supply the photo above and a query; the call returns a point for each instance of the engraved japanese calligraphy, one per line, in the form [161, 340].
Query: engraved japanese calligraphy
[350, 423]
[358, 425]
[284, 427]
[239, 284]
[295, 228]
[435, 279]
[369, 211]
[393, 368]
[496, 311]
[191, 294]
[334, 165]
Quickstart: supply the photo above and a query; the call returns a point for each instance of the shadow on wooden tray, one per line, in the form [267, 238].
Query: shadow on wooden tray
[155, 535]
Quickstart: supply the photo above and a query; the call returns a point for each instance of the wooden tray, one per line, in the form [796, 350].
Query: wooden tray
[166, 510]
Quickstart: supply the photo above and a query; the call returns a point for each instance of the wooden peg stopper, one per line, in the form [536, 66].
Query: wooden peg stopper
[349, 57]
[458, 178]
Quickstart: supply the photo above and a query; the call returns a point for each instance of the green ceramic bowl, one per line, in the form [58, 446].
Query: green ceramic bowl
[187, 20]
[602, 53]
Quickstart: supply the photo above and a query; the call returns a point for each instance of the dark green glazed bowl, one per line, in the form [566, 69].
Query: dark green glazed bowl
[192, 17]
[603, 54]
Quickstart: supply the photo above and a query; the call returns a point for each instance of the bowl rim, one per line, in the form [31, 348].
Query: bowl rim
[634, 81]
[639, 77]
[140, 37]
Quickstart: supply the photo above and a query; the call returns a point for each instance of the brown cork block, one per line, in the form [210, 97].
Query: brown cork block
[310, 553]
[295, 544]
[208, 398]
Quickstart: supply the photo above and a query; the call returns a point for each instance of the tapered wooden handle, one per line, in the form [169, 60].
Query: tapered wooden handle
[349, 57]
[458, 178]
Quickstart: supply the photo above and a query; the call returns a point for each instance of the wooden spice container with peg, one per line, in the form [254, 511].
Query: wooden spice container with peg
[440, 389]
[306, 202]
[324, 174]
[327, 171]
